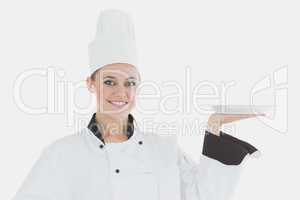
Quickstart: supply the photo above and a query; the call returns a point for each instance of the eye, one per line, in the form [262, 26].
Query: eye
[109, 82]
[130, 83]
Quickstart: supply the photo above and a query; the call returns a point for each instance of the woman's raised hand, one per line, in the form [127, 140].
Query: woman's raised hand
[216, 120]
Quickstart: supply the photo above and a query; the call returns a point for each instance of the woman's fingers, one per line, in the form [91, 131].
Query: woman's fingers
[216, 120]
[227, 118]
[236, 117]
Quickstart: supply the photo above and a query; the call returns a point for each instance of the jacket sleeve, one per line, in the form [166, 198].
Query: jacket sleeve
[44, 181]
[217, 173]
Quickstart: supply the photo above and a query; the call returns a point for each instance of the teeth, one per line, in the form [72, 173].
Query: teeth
[119, 103]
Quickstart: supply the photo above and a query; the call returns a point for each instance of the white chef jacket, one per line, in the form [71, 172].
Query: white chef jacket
[146, 166]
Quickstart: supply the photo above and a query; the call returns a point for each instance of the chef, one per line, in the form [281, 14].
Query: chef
[112, 158]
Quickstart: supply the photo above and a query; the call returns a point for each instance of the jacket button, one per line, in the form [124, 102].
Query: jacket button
[101, 146]
[140, 142]
[117, 170]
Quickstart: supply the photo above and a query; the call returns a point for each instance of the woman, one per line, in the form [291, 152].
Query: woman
[113, 159]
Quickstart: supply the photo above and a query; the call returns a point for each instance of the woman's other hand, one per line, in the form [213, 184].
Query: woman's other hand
[216, 120]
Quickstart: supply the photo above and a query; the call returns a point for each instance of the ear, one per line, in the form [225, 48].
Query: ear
[90, 84]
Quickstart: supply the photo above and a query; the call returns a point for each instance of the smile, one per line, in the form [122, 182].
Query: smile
[118, 104]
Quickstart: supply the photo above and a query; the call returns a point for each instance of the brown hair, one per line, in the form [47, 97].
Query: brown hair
[93, 76]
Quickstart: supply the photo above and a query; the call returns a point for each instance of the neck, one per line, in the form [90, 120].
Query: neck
[111, 126]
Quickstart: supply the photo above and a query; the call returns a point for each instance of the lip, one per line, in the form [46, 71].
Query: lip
[118, 106]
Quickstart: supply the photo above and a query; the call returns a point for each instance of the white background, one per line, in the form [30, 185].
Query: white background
[221, 41]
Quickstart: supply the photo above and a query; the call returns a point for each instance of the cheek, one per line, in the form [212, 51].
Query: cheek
[132, 95]
[103, 93]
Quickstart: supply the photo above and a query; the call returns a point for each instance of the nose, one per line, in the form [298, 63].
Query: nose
[120, 92]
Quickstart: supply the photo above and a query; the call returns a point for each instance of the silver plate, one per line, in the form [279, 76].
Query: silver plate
[242, 109]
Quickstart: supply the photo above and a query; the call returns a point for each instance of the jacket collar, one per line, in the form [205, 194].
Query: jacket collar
[94, 127]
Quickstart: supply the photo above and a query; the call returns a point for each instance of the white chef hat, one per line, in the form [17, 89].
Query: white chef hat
[114, 40]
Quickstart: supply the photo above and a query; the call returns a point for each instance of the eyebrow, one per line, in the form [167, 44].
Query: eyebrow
[131, 77]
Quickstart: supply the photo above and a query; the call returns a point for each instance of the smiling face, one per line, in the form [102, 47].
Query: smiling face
[115, 87]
